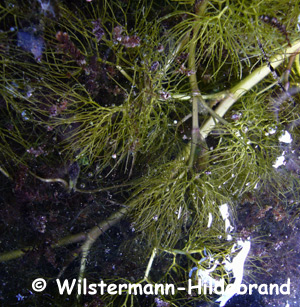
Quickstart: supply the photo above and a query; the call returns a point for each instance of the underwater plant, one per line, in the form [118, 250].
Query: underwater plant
[176, 108]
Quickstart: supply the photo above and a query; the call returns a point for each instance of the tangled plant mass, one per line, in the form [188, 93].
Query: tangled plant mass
[161, 111]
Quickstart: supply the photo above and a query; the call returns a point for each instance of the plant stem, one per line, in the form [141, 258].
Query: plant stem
[64, 241]
[5, 173]
[89, 237]
[196, 96]
[94, 233]
[245, 85]
[215, 96]
[154, 252]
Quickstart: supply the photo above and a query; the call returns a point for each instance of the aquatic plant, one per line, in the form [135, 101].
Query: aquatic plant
[110, 87]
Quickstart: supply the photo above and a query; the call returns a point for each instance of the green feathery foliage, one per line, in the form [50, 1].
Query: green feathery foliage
[112, 84]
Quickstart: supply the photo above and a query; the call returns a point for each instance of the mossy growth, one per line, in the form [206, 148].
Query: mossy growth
[110, 85]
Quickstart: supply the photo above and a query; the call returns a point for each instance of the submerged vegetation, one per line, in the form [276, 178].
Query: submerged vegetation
[174, 108]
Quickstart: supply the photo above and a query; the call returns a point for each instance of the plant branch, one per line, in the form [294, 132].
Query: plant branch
[94, 233]
[5, 173]
[67, 186]
[245, 85]
[196, 96]
[154, 252]
[214, 96]
[89, 237]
